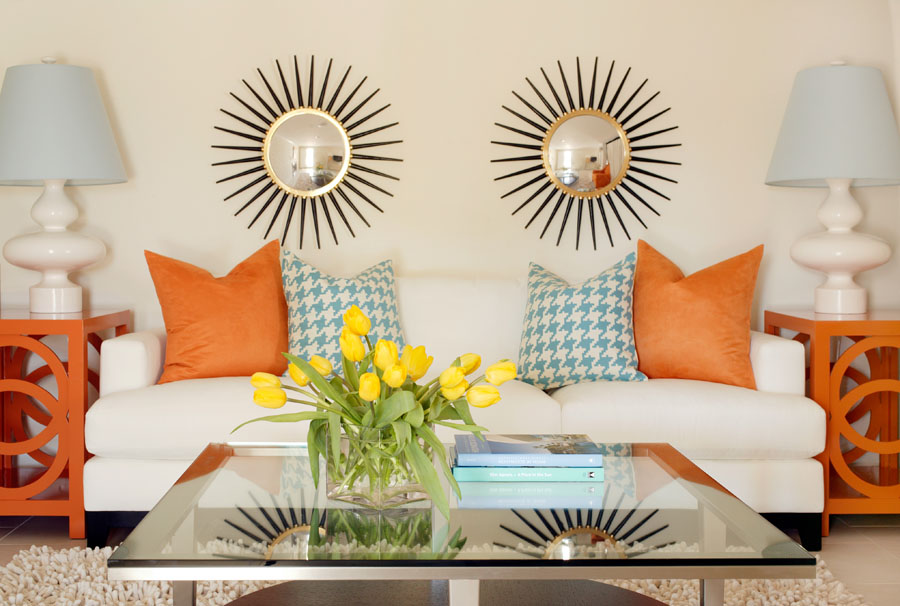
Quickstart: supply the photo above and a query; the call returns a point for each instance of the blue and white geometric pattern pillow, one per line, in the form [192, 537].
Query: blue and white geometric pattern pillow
[317, 302]
[579, 333]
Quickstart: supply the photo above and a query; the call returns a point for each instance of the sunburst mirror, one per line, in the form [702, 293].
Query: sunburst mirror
[594, 159]
[307, 151]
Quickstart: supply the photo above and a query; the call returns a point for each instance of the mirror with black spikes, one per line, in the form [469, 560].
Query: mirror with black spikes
[588, 153]
[306, 151]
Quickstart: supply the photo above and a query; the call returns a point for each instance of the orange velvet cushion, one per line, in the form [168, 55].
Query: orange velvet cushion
[222, 327]
[695, 327]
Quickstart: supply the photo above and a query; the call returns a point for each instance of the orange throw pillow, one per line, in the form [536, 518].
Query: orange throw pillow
[695, 327]
[222, 327]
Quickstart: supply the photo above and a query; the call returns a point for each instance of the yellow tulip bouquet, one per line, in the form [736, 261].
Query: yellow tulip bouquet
[374, 424]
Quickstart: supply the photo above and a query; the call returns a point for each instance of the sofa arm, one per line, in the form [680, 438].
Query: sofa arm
[779, 364]
[131, 361]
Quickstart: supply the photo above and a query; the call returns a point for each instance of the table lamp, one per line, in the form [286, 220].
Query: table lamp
[54, 132]
[838, 131]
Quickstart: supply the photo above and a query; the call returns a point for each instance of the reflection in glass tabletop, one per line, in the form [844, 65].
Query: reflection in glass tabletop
[251, 511]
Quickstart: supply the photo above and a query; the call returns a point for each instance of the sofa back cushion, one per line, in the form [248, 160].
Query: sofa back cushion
[453, 316]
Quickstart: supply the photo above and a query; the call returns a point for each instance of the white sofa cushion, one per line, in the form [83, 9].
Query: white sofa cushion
[702, 420]
[177, 420]
[128, 484]
[452, 316]
[796, 485]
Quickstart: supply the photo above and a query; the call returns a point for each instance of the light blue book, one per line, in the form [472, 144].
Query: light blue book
[530, 495]
[526, 450]
[528, 474]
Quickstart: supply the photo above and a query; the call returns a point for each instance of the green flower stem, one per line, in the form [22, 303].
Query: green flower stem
[422, 389]
[346, 385]
[307, 402]
[432, 389]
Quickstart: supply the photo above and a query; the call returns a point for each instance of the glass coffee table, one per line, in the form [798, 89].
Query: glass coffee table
[251, 512]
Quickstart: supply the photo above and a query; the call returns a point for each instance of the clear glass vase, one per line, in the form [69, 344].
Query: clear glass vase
[370, 471]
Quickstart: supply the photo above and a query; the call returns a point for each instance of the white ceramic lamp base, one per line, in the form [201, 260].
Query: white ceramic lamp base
[54, 252]
[840, 252]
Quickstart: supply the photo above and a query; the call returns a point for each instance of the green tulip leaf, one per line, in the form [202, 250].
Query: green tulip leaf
[427, 476]
[400, 403]
[350, 373]
[367, 418]
[291, 417]
[334, 432]
[462, 407]
[434, 411]
[463, 427]
[403, 432]
[432, 440]
[313, 447]
[415, 417]
[447, 412]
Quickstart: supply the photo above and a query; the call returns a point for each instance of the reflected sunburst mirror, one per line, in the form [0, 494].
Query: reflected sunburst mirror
[307, 151]
[593, 157]
[615, 533]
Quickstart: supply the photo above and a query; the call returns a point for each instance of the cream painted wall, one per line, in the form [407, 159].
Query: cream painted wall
[725, 68]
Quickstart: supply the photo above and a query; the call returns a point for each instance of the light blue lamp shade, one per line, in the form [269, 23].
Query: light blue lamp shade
[838, 124]
[53, 125]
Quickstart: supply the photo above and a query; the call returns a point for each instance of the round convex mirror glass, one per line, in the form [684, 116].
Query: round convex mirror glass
[307, 152]
[587, 154]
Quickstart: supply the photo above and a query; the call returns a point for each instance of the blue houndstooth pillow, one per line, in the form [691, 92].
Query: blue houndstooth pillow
[579, 333]
[317, 302]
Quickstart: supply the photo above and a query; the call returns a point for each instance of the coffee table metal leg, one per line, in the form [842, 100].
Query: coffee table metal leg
[184, 593]
[464, 592]
[712, 592]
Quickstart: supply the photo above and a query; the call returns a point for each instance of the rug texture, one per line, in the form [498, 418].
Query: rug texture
[77, 577]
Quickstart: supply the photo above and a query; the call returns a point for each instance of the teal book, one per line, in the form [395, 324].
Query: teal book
[527, 450]
[530, 495]
[528, 474]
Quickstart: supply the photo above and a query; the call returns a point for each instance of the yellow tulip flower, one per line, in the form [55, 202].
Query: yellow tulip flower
[385, 354]
[351, 345]
[357, 321]
[320, 365]
[264, 379]
[452, 377]
[483, 396]
[394, 375]
[270, 397]
[298, 375]
[369, 386]
[470, 362]
[417, 362]
[455, 392]
[500, 373]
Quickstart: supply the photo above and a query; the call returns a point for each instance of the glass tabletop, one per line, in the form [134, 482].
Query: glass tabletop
[253, 511]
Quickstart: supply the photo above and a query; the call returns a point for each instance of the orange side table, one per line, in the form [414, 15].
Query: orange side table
[858, 384]
[51, 485]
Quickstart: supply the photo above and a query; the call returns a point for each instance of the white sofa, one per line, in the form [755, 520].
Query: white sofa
[758, 444]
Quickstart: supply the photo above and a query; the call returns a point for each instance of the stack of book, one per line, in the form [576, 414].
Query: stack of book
[538, 471]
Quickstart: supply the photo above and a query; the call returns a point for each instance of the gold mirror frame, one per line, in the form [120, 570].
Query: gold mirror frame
[261, 182]
[267, 152]
[632, 117]
[548, 138]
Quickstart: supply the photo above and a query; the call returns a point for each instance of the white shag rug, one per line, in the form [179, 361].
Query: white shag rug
[77, 577]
